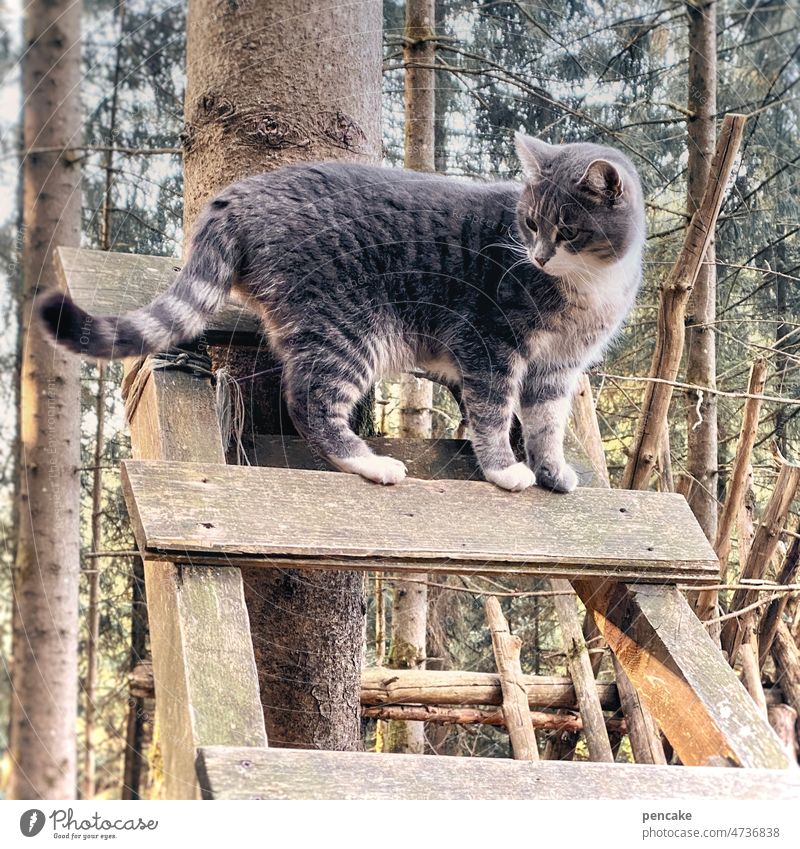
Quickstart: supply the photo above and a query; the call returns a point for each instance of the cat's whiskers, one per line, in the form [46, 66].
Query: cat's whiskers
[514, 265]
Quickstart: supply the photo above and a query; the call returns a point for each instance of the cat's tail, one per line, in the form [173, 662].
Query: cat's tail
[178, 315]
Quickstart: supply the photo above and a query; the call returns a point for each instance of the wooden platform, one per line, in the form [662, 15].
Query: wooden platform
[624, 551]
[209, 513]
[257, 773]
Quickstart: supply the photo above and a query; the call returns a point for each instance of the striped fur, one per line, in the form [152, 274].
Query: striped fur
[178, 315]
[358, 272]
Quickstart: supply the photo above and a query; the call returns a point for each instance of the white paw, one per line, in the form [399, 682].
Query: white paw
[385, 470]
[559, 478]
[513, 478]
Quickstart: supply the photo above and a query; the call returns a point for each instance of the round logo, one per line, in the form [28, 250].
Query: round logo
[31, 822]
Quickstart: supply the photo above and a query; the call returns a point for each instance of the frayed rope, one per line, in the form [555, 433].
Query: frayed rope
[229, 401]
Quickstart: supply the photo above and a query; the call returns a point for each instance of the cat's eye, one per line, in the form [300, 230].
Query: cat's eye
[567, 233]
[531, 224]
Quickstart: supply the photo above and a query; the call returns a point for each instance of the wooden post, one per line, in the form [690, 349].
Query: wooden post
[563, 722]
[515, 697]
[751, 675]
[587, 430]
[203, 660]
[580, 670]
[764, 546]
[672, 309]
[783, 718]
[706, 603]
[642, 729]
[787, 664]
[774, 614]
[381, 686]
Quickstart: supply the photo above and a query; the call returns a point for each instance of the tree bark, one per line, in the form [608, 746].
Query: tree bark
[701, 362]
[271, 83]
[44, 700]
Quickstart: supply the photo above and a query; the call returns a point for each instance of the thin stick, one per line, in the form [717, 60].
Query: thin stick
[762, 551]
[706, 603]
[515, 695]
[774, 613]
[580, 670]
[672, 309]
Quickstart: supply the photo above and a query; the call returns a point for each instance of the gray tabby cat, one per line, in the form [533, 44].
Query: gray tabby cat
[505, 292]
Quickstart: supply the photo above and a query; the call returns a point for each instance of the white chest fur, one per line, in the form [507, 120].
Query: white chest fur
[599, 297]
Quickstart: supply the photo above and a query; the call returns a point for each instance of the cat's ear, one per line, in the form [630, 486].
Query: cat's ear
[532, 154]
[603, 179]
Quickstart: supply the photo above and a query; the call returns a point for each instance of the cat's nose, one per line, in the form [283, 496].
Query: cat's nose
[542, 259]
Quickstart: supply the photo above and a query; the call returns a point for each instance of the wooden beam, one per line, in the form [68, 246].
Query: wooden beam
[381, 686]
[681, 675]
[516, 715]
[480, 716]
[217, 515]
[787, 664]
[587, 430]
[203, 662]
[107, 283]
[642, 730]
[296, 774]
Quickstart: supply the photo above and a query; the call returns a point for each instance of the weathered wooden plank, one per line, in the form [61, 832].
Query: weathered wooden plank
[205, 674]
[107, 283]
[681, 675]
[295, 774]
[382, 686]
[258, 515]
[427, 459]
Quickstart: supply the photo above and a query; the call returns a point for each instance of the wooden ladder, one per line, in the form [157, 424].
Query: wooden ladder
[196, 520]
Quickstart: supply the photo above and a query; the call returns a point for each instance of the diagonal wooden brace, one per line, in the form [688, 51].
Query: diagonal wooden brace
[681, 676]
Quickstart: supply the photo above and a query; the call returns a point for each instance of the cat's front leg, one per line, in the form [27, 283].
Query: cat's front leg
[545, 403]
[489, 403]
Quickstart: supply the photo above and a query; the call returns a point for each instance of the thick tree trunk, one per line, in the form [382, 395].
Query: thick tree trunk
[701, 364]
[45, 695]
[269, 83]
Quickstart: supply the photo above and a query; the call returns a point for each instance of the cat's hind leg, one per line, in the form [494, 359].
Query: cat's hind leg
[321, 393]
